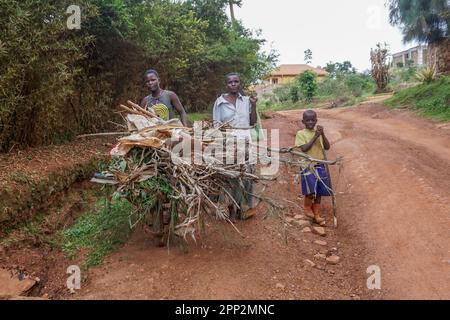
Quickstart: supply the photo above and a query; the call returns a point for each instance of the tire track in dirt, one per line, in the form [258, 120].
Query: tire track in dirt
[398, 168]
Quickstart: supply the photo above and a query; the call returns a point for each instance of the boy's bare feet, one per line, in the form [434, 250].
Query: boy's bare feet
[317, 218]
[309, 214]
[320, 221]
[248, 214]
[308, 206]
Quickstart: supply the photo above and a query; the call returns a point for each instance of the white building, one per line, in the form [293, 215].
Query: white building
[417, 56]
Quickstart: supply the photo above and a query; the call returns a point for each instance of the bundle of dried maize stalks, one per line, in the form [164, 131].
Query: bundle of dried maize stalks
[176, 176]
[170, 175]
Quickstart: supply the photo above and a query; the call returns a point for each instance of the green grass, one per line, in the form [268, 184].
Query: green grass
[282, 106]
[430, 100]
[99, 231]
[316, 103]
[264, 106]
[199, 116]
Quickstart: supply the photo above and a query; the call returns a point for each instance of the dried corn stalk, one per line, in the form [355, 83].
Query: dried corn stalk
[156, 178]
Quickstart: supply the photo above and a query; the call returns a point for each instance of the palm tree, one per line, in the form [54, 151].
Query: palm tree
[422, 20]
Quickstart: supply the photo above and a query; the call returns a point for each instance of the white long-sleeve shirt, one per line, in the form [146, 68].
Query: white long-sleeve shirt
[237, 117]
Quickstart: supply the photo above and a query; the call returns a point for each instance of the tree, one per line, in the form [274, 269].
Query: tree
[339, 69]
[56, 83]
[426, 21]
[308, 84]
[421, 20]
[380, 66]
[356, 83]
[228, 50]
[293, 93]
[39, 67]
[308, 56]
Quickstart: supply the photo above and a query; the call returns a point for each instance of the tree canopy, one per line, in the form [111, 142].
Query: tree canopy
[421, 20]
[336, 69]
[58, 82]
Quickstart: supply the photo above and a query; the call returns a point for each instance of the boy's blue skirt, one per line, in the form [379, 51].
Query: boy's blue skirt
[312, 185]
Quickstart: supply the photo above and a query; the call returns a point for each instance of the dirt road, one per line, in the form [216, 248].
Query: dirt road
[399, 200]
[394, 212]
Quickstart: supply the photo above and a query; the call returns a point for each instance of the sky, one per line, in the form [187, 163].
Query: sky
[335, 30]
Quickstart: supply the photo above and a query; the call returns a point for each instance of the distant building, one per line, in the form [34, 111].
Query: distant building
[288, 72]
[417, 56]
[284, 74]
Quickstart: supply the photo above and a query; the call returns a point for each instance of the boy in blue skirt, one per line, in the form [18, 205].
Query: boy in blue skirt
[315, 180]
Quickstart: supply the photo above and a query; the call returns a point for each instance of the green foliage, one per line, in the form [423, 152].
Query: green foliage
[145, 198]
[331, 87]
[282, 93]
[294, 93]
[273, 106]
[410, 63]
[357, 84]
[427, 75]
[99, 231]
[20, 177]
[199, 116]
[350, 85]
[342, 84]
[421, 20]
[308, 84]
[337, 69]
[431, 100]
[109, 225]
[228, 48]
[38, 67]
[57, 83]
[404, 74]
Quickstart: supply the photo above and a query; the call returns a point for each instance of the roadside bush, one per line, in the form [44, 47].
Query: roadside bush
[332, 88]
[39, 69]
[360, 84]
[427, 75]
[57, 83]
[348, 85]
[294, 93]
[408, 74]
[432, 99]
[282, 93]
[345, 87]
[355, 85]
[308, 84]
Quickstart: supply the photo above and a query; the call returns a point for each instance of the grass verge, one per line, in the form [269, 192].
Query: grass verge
[199, 116]
[430, 100]
[99, 231]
